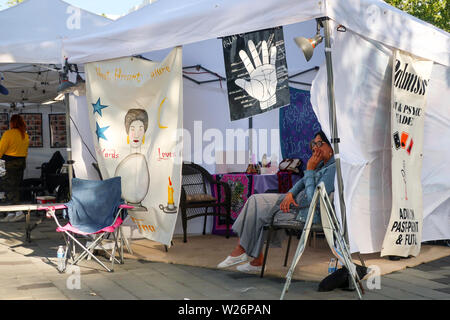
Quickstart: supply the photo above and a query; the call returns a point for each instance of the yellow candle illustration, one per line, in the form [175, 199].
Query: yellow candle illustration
[170, 192]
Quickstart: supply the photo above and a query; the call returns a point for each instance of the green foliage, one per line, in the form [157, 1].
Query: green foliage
[436, 12]
[11, 3]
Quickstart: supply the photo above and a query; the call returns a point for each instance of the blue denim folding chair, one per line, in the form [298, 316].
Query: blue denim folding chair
[94, 211]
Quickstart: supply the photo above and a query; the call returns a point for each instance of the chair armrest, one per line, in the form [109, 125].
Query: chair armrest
[126, 206]
[50, 211]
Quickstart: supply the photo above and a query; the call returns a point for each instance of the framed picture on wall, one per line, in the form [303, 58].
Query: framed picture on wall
[4, 123]
[34, 128]
[58, 134]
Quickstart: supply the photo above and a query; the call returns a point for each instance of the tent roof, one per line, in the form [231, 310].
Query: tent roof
[33, 30]
[29, 83]
[169, 23]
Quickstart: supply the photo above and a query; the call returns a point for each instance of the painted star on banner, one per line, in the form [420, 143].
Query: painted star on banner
[98, 107]
[100, 132]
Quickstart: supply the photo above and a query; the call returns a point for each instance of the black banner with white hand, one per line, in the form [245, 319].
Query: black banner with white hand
[256, 70]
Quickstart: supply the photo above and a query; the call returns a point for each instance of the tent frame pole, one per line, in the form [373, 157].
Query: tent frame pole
[333, 127]
[69, 143]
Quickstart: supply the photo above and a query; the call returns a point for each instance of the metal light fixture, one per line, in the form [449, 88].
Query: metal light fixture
[59, 97]
[49, 102]
[3, 89]
[308, 44]
[65, 83]
[80, 87]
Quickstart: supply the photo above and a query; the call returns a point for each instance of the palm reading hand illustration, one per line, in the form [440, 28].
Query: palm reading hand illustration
[263, 76]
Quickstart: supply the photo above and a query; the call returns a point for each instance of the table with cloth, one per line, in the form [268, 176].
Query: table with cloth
[243, 185]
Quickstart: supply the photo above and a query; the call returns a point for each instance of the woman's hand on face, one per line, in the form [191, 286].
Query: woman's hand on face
[287, 201]
[315, 159]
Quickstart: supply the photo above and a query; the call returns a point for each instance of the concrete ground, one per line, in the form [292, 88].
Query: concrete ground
[28, 272]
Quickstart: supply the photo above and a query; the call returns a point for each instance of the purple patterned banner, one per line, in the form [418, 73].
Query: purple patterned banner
[298, 123]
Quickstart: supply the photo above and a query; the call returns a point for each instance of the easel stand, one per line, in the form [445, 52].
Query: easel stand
[333, 234]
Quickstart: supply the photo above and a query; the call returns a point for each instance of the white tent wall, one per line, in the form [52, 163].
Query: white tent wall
[363, 94]
[83, 151]
[207, 121]
[39, 155]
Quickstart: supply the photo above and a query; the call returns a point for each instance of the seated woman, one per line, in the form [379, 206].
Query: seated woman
[260, 208]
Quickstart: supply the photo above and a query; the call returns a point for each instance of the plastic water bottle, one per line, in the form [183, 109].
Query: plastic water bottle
[332, 266]
[61, 260]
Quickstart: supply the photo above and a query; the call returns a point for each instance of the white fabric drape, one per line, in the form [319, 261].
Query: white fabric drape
[362, 76]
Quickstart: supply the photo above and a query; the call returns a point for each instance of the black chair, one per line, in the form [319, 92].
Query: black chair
[292, 228]
[195, 193]
[49, 180]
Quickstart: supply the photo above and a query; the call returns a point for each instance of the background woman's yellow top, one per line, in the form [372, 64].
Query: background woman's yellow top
[13, 145]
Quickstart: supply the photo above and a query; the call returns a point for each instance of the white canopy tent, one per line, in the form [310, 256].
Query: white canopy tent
[30, 60]
[361, 60]
[362, 71]
[33, 30]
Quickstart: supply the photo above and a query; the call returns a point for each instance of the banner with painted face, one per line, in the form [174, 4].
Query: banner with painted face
[135, 115]
[410, 84]
[257, 74]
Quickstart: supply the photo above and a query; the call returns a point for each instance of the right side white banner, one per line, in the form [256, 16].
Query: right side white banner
[410, 83]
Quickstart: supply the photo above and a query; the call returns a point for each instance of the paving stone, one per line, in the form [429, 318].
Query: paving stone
[83, 293]
[106, 288]
[421, 274]
[141, 289]
[445, 290]
[15, 263]
[172, 288]
[415, 280]
[390, 293]
[36, 286]
[415, 289]
[445, 281]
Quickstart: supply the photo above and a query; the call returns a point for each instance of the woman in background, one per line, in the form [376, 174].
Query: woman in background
[14, 150]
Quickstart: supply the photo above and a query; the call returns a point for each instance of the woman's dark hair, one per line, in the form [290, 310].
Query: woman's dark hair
[18, 123]
[323, 137]
[136, 114]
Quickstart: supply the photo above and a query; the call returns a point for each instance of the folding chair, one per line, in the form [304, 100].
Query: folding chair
[94, 211]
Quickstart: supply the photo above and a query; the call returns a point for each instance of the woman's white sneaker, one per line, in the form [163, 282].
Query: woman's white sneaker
[9, 217]
[247, 267]
[19, 216]
[230, 261]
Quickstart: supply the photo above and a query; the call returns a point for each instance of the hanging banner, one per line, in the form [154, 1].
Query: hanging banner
[135, 115]
[256, 70]
[298, 124]
[410, 84]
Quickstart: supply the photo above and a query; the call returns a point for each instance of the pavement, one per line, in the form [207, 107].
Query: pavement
[28, 272]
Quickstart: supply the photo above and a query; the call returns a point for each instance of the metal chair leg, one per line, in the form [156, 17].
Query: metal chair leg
[266, 252]
[184, 223]
[287, 250]
[204, 221]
